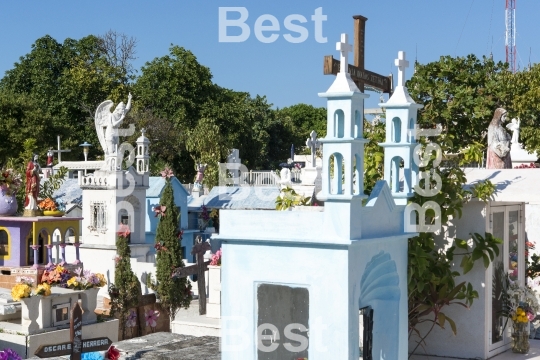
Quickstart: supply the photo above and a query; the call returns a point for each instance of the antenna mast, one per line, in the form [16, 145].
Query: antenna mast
[510, 15]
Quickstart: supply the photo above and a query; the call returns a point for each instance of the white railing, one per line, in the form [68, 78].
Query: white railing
[259, 178]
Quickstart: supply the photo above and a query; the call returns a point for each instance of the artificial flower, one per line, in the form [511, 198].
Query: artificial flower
[151, 317]
[20, 291]
[160, 210]
[112, 353]
[123, 231]
[167, 173]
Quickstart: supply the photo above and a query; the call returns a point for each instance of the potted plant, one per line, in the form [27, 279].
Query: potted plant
[50, 207]
[10, 182]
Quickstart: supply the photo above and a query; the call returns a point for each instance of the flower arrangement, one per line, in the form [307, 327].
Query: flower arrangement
[10, 181]
[20, 291]
[56, 275]
[9, 354]
[51, 205]
[525, 166]
[216, 258]
[23, 289]
[522, 303]
[85, 279]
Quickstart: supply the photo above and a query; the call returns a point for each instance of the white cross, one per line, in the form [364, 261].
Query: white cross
[344, 48]
[313, 143]
[59, 151]
[401, 63]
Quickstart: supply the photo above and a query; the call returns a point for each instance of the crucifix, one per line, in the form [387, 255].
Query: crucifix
[60, 151]
[359, 74]
[313, 143]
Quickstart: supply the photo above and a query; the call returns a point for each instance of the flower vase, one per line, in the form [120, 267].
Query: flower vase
[520, 337]
[89, 304]
[8, 204]
[30, 313]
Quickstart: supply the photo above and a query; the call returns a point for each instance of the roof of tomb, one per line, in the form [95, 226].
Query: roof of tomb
[512, 185]
[69, 192]
[234, 197]
[157, 183]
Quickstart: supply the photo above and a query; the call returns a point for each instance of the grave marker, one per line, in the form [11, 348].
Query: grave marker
[77, 344]
[359, 74]
[199, 268]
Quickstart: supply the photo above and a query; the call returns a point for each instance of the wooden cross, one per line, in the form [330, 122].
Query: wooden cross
[76, 345]
[359, 74]
[313, 143]
[199, 268]
[60, 151]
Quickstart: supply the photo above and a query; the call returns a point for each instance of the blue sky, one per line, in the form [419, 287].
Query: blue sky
[287, 73]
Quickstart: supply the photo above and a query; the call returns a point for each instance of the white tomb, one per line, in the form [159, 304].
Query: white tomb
[294, 283]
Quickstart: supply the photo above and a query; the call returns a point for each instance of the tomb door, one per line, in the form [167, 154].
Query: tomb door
[505, 223]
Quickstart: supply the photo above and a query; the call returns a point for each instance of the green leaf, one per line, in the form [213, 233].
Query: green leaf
[452, 325]
[441, 318]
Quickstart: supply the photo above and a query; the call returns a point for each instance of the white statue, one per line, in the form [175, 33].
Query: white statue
[514, 128]
[108, 138]
[285, 180]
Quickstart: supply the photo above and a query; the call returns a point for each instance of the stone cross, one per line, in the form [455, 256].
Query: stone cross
[359, 75]
[60, 151]
[313, 143]
[402, 64]
[344, 48]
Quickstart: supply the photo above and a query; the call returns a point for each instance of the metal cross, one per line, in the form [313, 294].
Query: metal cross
[402, 64]
[313, 143]
[60, 151]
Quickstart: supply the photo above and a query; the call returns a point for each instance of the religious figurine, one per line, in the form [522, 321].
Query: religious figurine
[108, 138]
[32, 186]
[200, 174]
[50, 154]
[498, 152]
[514, 128]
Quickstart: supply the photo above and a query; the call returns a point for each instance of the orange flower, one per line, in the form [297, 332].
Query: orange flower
[47, 204]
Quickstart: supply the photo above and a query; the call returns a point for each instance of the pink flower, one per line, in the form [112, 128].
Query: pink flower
[160, 210]
[151, 317]
[167, 173]
[531, 316]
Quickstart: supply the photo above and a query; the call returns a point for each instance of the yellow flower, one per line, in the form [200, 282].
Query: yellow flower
[514, 317]
[73, 282]
[102, 281]
[20, 291]
[43, 289]
[520, 311]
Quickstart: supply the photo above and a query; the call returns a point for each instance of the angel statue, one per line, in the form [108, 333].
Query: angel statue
[108, 138]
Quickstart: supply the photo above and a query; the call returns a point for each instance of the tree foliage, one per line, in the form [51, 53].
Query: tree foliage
[126, 290]
[174, 293]
[461, 95]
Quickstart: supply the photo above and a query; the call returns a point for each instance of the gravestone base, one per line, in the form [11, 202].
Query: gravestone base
[189, 322]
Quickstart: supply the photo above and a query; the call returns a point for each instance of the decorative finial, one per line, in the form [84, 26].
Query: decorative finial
[401, 63]
[143, 131]
[344, 48]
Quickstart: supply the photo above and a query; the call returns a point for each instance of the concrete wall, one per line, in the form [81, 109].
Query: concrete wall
[470, 323]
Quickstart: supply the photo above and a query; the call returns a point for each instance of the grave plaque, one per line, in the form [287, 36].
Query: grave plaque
[285, 309]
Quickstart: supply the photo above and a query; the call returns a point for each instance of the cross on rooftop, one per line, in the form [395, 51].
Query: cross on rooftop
[402, 64]
[313, 143]
[359, 75]
[344, 48]
[60, 151]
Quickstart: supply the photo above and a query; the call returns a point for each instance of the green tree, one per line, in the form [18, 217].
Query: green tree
[126, 290]
[304, 118]
[173, 292]
[461, 95]
[66, 81]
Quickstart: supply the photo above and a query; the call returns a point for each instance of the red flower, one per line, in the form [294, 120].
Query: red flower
[123, 231]
[112, 353]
